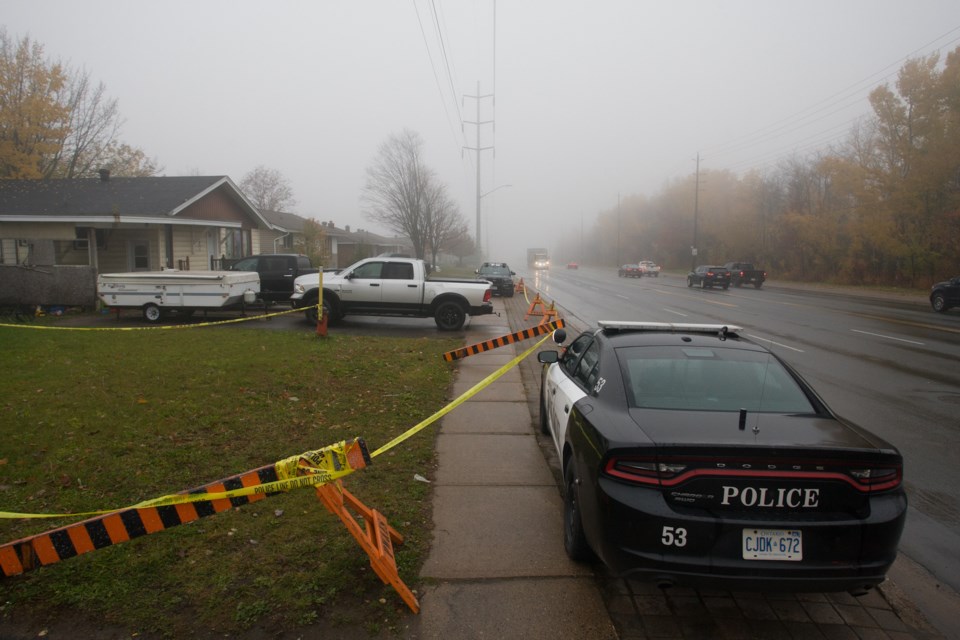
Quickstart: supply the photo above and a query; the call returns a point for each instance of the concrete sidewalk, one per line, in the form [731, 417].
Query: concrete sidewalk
[497, 568]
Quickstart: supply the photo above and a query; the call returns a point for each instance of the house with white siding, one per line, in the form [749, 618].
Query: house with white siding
[77, 228]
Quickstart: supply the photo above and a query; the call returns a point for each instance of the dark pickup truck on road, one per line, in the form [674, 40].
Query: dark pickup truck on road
[742, 273]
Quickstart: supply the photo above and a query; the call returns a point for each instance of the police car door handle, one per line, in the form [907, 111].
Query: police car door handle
[412, 286]
[374, 284]
[566, 408]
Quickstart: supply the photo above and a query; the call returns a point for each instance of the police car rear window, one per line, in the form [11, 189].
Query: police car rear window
[705, 379]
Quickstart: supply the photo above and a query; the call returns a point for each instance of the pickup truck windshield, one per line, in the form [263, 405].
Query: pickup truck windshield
[494, 271]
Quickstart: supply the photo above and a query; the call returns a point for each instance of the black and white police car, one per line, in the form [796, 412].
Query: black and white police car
[693, 456]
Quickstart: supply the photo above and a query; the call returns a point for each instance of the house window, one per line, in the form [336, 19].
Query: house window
[139, 256]
[235, 243]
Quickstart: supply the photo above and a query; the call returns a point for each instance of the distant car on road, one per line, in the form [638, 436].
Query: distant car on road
[742, 273]
[573, 265]
[650, 268]
[629, 271]
[945, 295]
[707, 277]
[693, 456]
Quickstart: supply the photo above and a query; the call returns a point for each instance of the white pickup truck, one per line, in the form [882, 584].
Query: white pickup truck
[392, 287]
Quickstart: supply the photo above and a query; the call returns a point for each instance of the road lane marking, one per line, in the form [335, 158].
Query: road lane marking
[621, 297]
[908, 323]
[776, 343]
[689, 297]
[675, 312]
[880, 335]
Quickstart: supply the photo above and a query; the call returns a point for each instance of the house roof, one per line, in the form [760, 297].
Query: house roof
[283, 221]
[152, 199]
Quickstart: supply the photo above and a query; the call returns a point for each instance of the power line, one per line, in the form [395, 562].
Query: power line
[436, 78]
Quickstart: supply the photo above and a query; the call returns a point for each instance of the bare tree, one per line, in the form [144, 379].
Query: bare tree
[402, 194]
[444, 224]
[92, 127]
[54, 123]
[268, 190]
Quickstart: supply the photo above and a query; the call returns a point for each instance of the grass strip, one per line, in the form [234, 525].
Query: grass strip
[98, 420]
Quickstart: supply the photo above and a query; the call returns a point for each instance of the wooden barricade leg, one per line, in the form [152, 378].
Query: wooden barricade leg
[549, 314]
[376, 538]
[537, 307]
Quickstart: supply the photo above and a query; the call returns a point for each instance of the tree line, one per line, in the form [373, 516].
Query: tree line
[880, 208]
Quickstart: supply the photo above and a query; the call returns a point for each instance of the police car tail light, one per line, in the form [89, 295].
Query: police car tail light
[642, 471]
[878, 478]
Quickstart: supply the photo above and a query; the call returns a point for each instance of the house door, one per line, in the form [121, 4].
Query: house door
[138, 255]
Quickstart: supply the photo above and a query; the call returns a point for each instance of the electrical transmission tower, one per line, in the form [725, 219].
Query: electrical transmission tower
[479, 149]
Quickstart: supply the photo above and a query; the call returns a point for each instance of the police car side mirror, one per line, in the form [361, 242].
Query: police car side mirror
[548, 357]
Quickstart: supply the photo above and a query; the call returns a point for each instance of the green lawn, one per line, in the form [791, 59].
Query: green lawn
[100, 420]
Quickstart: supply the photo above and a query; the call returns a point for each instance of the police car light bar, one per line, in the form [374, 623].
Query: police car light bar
[690, 327]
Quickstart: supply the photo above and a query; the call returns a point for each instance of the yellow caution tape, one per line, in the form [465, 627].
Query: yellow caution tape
[166, 326]
[469, 393]
[304, 470]
[311, 467]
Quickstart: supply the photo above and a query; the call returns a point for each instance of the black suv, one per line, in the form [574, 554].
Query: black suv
[499, 275]
[946, 294]
[706, 277]
[277, 273]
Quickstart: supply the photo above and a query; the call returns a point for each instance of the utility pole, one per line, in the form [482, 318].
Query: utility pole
[478, 149]
[696, 208]
[618, 231]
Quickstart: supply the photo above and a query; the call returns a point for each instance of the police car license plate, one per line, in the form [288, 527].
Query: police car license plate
[772, 544]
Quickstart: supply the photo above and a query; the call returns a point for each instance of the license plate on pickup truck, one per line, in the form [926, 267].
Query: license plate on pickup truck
[772, 544]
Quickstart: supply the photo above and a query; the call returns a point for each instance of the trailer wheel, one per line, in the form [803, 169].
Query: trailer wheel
[152, 313]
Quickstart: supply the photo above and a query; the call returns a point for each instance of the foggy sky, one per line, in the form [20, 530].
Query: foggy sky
[591, 99]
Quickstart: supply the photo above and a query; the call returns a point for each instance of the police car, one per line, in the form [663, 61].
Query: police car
[693, 456]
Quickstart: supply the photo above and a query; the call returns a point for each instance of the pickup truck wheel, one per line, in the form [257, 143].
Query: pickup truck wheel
[690, 282]
[152, 313]
[757, 285]
[449, 316]
[311, 314]
[725, 287]
[738, 284]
